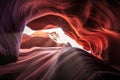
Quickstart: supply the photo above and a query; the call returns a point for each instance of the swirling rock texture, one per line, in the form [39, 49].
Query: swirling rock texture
[94, 24]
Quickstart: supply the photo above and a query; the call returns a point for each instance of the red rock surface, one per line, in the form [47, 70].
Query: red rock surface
[37, 39]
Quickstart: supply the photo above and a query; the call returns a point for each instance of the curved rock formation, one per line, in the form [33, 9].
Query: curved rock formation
[92, 23]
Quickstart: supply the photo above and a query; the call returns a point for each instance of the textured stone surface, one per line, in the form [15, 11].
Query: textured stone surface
[38, 39]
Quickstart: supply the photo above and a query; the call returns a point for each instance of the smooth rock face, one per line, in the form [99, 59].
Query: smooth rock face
[91, 23]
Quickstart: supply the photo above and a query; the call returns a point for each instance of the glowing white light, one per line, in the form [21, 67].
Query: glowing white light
[58, 34]
[62, 37]
[28, 31]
